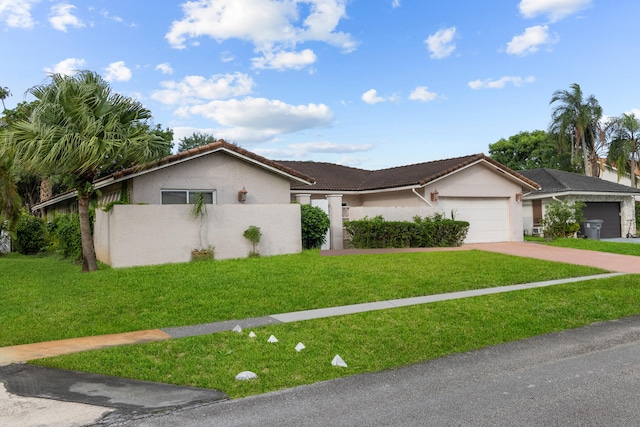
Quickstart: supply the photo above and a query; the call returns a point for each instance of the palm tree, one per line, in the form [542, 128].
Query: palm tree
[4, 94]
[78, 129]
[624, 147]
[9, 197]
[571, 120]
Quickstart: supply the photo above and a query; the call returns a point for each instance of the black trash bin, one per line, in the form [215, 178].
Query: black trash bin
[592, 228]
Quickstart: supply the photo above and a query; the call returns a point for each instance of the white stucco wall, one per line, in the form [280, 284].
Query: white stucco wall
[218, 171]
[131, 235]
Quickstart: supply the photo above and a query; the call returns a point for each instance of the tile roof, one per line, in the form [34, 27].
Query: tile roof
[198, 151]
[295, 176]
[332, 177]
[557, 181]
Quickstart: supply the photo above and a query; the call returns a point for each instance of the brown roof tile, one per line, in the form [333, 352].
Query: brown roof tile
[332, 177]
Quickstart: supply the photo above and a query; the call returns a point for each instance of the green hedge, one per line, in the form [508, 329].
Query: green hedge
[30, 234]
[64, 236]
[421, 233]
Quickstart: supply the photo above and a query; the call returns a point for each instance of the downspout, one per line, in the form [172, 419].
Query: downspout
[421, 198]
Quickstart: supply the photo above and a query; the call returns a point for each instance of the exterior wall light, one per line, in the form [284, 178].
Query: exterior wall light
[242, 195]
[434, 196]
[519, 197]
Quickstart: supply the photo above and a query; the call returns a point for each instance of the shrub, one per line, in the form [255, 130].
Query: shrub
[315, 223]
[64, 235]
[30, 234]
[562, 219]
[253, 234]
[421, 233]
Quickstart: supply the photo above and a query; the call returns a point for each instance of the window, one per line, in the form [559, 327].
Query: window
[182, 197]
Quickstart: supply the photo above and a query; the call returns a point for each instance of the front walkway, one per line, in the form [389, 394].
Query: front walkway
[617, 264]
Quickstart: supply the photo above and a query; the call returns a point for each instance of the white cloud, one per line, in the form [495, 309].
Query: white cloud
[302, 150]
[554, 9]
[285, 60]
[67, 67]
[61, 17]
[164, 68]
[395, 3]
[17, 13]
[530, 41]
[272, 26]
[253, 120]
[118, 71]
[441, 44]
[421, 93]
[371, 97]
[195, 89]
[105, 13]
[500, 83]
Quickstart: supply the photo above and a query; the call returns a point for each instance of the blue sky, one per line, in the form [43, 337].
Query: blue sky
[364, 83]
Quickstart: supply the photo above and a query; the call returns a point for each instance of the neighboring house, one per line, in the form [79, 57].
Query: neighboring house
[240, 188]
[473, 188]
[610, 173]
[613, 203]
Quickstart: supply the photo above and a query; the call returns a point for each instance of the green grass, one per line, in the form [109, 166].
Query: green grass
[368, 342]
[596, 245]
[44, 299]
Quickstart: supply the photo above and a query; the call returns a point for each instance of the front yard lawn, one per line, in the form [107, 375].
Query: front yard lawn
[368, 342]
[44, 299]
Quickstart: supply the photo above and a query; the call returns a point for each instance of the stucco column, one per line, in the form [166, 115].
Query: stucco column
[303, 199]
[335, 217]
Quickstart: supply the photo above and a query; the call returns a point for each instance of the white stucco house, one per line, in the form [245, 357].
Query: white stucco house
[472, 188]
[240, 188]
[611, 202]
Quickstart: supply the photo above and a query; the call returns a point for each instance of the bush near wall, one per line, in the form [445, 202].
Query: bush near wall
[30, 234]
[430, 232]
[315, 223]
[64, 236]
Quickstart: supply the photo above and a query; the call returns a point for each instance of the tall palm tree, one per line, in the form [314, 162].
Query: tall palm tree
[78, 129]
[4, 94]
[624, 146]
[9, 197]
[571, 119]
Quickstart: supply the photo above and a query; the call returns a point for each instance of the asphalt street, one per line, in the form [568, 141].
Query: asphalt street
[583, 377]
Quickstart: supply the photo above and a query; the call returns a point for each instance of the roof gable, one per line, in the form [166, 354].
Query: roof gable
[295, 177]
[220, 145]
[555, 181]
[332, 177]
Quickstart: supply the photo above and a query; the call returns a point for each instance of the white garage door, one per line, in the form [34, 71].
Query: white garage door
[488, 217]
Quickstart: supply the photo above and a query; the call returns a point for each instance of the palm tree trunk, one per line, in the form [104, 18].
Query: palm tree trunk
[89, 261]
[585, 156]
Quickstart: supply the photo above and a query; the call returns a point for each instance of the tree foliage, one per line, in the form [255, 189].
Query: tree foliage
[196, 140]
[575, 123]
[624, 144]
[79, 129]
[530, 150]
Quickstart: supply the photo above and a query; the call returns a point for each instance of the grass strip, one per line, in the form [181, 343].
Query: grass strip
[44, 299]
[593, 245]
[368, 342]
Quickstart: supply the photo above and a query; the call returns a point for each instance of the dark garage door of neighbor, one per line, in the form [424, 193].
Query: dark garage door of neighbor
[609, 212]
